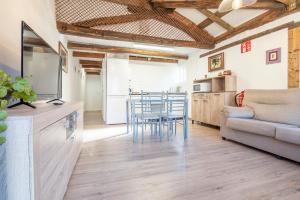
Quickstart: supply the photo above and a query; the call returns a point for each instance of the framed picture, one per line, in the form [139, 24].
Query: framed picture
[64, 56]
[273, 56]
[216, 62]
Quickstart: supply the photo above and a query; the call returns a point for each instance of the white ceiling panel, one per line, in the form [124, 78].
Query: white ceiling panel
[215, 29]
[238, 17]
[192, 14]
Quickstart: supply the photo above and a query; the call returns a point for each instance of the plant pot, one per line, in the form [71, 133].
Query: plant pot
[3, 185]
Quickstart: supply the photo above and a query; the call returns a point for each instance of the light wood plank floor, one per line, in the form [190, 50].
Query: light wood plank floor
[202, 168]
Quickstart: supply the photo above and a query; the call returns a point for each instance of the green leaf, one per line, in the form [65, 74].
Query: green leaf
[3, 91]
[2, 140]
[3, 104]
[18, 87]
[3, 127]
[3, 115]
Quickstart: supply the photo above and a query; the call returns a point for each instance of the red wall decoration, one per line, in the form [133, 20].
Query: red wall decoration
[246, 47]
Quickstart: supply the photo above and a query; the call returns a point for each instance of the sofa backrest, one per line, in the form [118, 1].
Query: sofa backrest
[281, 106]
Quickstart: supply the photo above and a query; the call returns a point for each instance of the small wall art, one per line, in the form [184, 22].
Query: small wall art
[273, 56]
[216, 62]
[64, 56]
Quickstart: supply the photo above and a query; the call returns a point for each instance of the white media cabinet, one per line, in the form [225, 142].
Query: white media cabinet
[42, 148]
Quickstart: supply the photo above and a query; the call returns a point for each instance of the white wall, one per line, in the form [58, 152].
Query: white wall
[93, 93]
[250, 68]
[40, 16]
[155, 77]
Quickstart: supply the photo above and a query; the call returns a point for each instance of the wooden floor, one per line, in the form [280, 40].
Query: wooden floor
[202, 168]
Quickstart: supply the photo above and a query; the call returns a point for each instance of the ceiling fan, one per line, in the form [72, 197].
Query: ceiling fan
[228, 5]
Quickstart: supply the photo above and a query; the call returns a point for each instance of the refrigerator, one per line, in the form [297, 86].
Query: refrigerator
[117, 88]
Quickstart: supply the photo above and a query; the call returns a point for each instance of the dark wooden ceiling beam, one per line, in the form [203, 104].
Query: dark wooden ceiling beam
[93, 73]
[68, 29]
[91, 66]
[133, 3]
[80, 54]
[291, 4]
[208, 21]
[251, 24]
[172, 18]
[90, 62]
[151, 59]
[210, 15]
[178, 21]
[255, 36]
[112, 20]
[208, 4]
[112, 49]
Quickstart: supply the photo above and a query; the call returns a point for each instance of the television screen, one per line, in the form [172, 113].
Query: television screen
[41, 65]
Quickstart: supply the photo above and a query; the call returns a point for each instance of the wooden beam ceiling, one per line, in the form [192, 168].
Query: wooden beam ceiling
[113, 49]
[208, 21]
[69, 29]
[210, 15]
[91, 66]
[291, 4]
[90, 62]
[177, 20]
[111, 20]
[261, 34]
[258, 21]
[80, 54]
[164, 11]
[208, 4]
[92, 73]
[151, 59]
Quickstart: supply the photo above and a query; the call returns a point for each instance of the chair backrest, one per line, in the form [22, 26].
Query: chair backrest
[152, 102]
[146, 103]
[176, 103]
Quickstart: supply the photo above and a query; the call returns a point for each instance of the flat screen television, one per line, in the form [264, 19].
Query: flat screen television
[41, 65]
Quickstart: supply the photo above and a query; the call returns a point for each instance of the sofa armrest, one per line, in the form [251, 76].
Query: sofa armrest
[238, 112]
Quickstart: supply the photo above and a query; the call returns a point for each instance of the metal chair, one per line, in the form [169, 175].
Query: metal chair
[177, 113]
[147, 111]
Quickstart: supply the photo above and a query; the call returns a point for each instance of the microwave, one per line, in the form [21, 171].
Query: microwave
[202, 87]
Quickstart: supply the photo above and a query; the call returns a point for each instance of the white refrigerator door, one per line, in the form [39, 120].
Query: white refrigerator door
[117, 76]
[116, 109]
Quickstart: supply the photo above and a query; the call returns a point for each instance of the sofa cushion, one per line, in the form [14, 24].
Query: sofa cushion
[238, 112]
[290, 135]
[285, 114]
[255, 126]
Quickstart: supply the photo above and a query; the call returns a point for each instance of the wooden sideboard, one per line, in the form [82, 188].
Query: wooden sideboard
[42, 148]
[207, 106]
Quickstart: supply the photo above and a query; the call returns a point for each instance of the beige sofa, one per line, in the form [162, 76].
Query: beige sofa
[270, 121]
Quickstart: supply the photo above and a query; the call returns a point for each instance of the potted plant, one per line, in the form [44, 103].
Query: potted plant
[9, 89]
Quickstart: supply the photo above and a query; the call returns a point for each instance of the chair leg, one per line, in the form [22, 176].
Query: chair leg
[175, 126]
[143, 130]
[160, 130]
[137, 131]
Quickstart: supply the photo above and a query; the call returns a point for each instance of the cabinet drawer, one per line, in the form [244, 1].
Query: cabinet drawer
[200, 95]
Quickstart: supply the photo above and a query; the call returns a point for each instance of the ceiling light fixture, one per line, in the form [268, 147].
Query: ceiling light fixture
[228, 5]
[141, 46]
